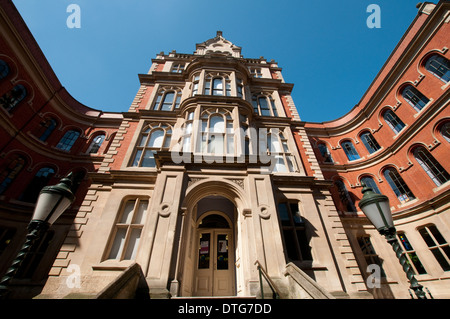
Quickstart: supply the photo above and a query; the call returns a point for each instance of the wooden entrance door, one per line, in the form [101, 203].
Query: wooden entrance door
[214, 273]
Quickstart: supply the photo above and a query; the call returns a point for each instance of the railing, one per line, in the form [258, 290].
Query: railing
[262, 272]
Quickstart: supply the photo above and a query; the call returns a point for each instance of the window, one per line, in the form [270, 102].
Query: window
[217, 132]
[96, 143]
[256, 72]
[41, 179]
[369, 254]
[11, 171]
[152, 139]
[350, 151]
[167, 101]
[437, 245]
[277, 145]
[10, 99]
[397, 184]
[368, 181]
[325, 152]
[432, 167]
[45, 129]
[414, 97]
[68, 140]
[370, 142]
[239, 87]
[344, 197]
[4, 69]
[187, 132]
[410, 254]
[393, 121]
[244, 122]
[127, 232]
[219, 85]
[445, 131]
[195, 85]
[264, 105]
[295, 238]
[439, 67]
[177, 68]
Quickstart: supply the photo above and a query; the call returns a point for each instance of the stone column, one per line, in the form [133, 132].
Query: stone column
[159, 240]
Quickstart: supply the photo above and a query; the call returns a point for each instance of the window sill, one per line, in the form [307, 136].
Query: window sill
[111, 265]
[415, 200]
[439, 188]
[423, 108]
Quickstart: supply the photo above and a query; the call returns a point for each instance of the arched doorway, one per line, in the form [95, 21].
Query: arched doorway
[225, 199]
[214, 250]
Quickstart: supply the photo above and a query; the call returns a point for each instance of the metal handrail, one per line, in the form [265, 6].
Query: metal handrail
[262, 272]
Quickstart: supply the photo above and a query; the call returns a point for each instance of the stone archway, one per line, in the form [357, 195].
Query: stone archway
[207, 198]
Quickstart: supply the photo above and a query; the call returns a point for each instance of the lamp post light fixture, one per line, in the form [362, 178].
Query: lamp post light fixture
[51, 203]
[376, 208]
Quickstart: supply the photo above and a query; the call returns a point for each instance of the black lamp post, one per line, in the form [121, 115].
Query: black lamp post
[52, 202]
[376, 208]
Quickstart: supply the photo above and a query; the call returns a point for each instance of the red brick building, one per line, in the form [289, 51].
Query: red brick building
[396, 139]
[44, 135]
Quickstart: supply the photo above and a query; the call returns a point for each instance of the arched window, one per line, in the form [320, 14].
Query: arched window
[10, 172]
[393, 121]
[96, 143]
[439, 67]
[68, 140]
[432, 167]
[398, 185]
[414, 97]
[152, 139]
[278, 146]
[325, 152]
[368, 181]
[41, 179]
[217, 133]
[264, 105]
[10, 99]
[218, 85]
[344, 196]
[45, 129]
[167, 101]
[445, 131]
[4, 69]
[350, 150]
[370, 142]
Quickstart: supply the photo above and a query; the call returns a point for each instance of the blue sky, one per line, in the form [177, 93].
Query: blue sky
[324, 47]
